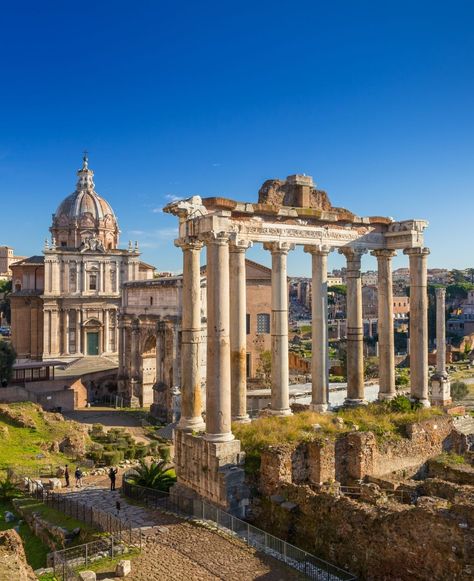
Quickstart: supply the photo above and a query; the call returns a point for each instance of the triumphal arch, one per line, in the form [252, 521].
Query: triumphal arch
[288, 213]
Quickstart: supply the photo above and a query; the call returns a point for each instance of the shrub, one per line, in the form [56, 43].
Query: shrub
[459, 390]
[400, 403]
[7, 489]
[130, 453]
[112, 458]
[402, 378]
[165, 453]
[141, 451]
[97, 429]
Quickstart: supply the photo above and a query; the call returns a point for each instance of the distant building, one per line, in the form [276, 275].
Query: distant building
[463, 322]
[369, 278]
[64, 304]
[7, 258]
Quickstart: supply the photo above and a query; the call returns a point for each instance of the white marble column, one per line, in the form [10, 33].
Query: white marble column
[78, 332]
[279, 328]
[238, 330]
[386, 342]
[106, 331]
[218, 393]
[54, 330]
[191, 400]
[418, 324]
[66, 332]
[355, 328]
[319, 308]
[441, 331]
[83, 277]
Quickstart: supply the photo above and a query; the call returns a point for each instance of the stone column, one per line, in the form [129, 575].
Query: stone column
[106, 330]
[319, 309]
[218, 393]
[66, 332]
[280, 372]
[440, 384]
[418, 324]
[355, 328]
[191, 404]
[78, 331]
[238, 330]
[83, 277]
[54, 330]
[386, 342]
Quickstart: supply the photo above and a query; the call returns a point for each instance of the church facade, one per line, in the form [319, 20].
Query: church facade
[65, 303]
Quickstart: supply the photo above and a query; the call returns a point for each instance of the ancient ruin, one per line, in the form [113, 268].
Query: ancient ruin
[288, 213]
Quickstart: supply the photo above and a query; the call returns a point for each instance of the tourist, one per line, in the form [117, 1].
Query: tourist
[66, 476]
[112, 475]
[78, 475]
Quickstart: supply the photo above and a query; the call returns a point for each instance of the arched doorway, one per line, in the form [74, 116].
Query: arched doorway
[92, 330]
[148, 369]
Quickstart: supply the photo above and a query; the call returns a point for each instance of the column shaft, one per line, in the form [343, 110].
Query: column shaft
[386, 343]
[218, 395]
[191, 401]
[106, 331]
[319, 309]
[355, 330]
[238, 332]
[441, 331]
[66, 332]
[418, 324]
[279, 328]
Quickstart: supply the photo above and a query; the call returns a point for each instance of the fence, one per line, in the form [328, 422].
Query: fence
[67, 561]
[310, 565]
[123, 530]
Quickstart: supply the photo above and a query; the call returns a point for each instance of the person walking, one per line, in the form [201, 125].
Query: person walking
[78, 475]
[112, 476]
[66, 476]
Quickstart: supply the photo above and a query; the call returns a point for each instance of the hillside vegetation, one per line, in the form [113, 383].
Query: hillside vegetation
[30, 436]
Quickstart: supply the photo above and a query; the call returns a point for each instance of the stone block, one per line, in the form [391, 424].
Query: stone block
[55, 483]
[123, 568]
[277, 498]
[87, 576]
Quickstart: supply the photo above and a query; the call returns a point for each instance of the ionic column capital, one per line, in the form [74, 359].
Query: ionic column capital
[418, 251]
[279, 247]
[353, 256]
[215, 238]
[319, 249]
[384, 253]
[238, 245]
[189, 244]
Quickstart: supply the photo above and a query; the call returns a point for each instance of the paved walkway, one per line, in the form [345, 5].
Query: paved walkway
[178, 550]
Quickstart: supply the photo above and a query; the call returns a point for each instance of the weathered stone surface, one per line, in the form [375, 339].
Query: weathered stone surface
[298, 191]
[457, 473]
[87, 576]
[13, 565]
[55, 483]
[123, 568]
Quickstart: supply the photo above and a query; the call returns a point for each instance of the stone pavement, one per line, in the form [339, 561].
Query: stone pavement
[179, 550]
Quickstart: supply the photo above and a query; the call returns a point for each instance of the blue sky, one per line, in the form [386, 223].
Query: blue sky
[373, 99]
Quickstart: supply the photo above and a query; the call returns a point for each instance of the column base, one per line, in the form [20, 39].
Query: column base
[195, 424]
[318, 407]
[440, 389]
[385, 396]
[424, 402]
[224, 437]
[354, 402]
[284, 412]
[241, 419]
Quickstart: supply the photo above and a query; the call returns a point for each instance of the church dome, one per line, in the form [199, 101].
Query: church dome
[85, 216]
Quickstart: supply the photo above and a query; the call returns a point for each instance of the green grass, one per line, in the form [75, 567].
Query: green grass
[58, 518]
[22, 445]
[35, 550]
[291, 430]
[450, 458]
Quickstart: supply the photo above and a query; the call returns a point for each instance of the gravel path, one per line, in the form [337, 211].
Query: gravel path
[179, 550]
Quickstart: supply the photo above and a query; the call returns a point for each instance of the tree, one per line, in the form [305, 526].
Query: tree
[7, 359]
[459, 390]
[470, 272]
[5, 291]
[264, 368]
[157, 475]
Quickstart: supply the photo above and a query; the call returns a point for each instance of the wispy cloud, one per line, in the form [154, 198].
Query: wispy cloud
[169, 198]
[154, 238]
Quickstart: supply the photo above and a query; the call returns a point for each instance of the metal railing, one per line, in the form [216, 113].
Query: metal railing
[311, 566]
[103, 521]
[66, 562]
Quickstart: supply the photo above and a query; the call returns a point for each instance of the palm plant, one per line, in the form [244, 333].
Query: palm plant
[156, 475]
